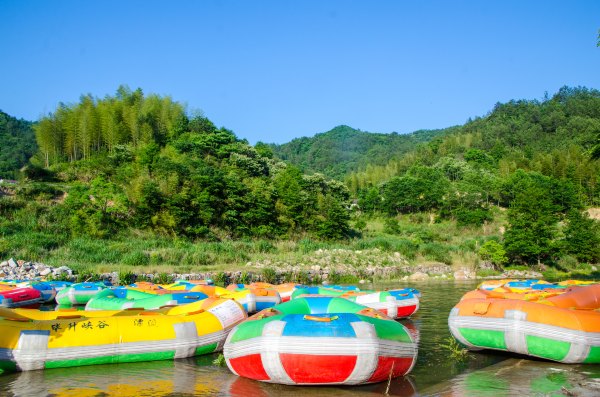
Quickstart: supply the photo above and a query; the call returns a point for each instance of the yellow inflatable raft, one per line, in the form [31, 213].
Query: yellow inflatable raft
[31, 339]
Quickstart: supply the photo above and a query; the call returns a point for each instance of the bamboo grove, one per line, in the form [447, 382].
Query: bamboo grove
[95, 125]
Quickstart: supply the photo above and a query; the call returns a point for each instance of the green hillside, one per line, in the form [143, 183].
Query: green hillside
[138, 162]
[530, 157]
[553, 137]
[17, 145]
[343, 149]
[133, 179]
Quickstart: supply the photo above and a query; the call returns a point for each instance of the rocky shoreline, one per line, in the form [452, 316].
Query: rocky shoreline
[328, 267]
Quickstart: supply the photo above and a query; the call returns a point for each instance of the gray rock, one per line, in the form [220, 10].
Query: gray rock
[418, 276]
[464, 274]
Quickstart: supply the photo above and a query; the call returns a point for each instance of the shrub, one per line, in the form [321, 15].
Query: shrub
[269, 275]
[568, 262]
[436, 252]
[87, 275]
[494, 252]
[136, 258]
[220, 279]
[477, 216]
[164, 278]
[391, 226]
[42, 191]
[244, 278]
[126, 278]
[341, 278]
[265, 246]
[406, 247]
[360, 224]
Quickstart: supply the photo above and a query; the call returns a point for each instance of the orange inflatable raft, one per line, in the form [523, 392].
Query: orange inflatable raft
[563, 327]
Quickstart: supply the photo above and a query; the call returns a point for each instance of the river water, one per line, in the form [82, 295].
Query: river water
[435, 373]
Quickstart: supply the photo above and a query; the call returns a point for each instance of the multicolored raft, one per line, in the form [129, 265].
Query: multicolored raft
[79, 293]
[398, 303]
[318, 341]
[13, 296]
[559, 325]
[124, 298]
[33, 339]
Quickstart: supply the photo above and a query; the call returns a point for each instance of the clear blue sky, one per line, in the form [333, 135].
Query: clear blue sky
[275, 70]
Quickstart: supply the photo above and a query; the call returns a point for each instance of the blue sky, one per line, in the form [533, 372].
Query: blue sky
[272, 71]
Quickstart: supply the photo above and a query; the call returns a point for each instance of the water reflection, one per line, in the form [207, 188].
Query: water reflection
[157, 378]
[523, 377]
[178, 378]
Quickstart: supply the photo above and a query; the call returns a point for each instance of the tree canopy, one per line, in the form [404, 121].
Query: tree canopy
[140, 160]
[17, 145]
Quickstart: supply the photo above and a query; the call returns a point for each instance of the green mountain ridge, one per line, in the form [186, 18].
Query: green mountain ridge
[554, 137]
[344, 149]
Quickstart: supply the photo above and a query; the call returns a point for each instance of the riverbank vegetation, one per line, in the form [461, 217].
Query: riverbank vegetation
[136, 182]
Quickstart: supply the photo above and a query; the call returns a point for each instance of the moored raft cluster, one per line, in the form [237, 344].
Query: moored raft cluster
[303, 336]
[285, 333]
[559, 322]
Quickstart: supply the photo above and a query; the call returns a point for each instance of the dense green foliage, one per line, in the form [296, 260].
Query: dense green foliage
[344, 149]
[531, 157]
[136, 161]
[113, 169]
[17, 145]
[553, 137]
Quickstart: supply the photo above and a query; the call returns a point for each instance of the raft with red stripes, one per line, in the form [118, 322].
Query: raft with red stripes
[318, 341]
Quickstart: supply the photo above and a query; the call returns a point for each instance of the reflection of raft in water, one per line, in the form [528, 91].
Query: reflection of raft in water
[60, 339]
[563, 327]
[320, 340]
[183, 377]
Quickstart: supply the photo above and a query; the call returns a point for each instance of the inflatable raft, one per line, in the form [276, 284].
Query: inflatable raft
[12, 296]
[258, 298]
[285, 290]
[563, 326]
[32, 339]
[78, 293]
[395, 304]
[124, 298]
[320, 340]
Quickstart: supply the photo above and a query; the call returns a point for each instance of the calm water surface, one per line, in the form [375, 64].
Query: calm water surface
[435, 373]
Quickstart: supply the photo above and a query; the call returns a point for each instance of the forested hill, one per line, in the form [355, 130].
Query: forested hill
[136, 161]
[17, 145]
[343, 149]
[554, 137]
[536, 159]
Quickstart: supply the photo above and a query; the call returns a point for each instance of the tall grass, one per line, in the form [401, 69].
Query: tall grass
[26, 232]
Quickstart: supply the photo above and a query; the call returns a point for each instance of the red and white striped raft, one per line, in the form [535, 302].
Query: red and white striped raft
[319, 341]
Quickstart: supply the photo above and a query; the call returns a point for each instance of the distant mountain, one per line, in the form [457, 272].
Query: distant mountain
[553, 137]
[17, 144]
[344, 149]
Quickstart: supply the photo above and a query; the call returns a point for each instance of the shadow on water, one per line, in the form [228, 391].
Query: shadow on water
[435, 373]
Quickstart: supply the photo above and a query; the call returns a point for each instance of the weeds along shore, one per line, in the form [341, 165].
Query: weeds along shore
[419, 251]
